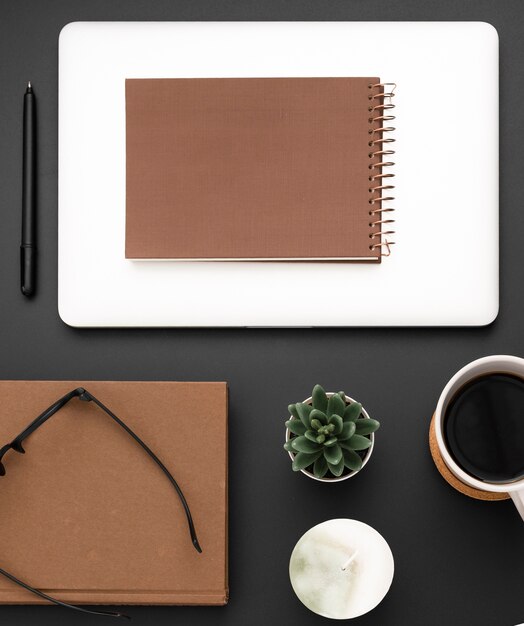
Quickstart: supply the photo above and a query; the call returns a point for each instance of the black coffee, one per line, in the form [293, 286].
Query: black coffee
[484, 427]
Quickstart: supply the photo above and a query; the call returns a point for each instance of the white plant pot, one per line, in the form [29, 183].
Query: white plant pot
[364, 460]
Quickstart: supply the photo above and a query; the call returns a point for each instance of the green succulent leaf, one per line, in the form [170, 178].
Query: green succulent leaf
[358, 442]
[320, 400]
[311, 435]
[303, 460]
[292, 408]
[287, 446]
[320, 438]
[366, 426]
[336, 421]
[320, 467]
[304, 411]
[330, 442]
[348, 430]
[335, 405]
[338, 468]
[333, 454]
[303, 444]
[296, 426]
[318, 415]
[352, 411]
[315, 424]
[352, 460]
[342, 394]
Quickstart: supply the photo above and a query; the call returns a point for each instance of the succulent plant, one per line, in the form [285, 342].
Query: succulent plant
[328, 434]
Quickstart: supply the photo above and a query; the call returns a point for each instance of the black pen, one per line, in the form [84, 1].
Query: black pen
[28, 244]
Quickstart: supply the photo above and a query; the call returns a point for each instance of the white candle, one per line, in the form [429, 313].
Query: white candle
[341, 568]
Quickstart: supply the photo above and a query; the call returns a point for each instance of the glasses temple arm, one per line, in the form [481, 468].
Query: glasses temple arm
[43, 595]
[89, 397]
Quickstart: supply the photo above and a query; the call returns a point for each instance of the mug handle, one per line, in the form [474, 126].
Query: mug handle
[518, 501]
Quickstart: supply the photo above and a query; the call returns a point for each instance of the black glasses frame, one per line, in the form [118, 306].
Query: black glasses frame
[16, 445]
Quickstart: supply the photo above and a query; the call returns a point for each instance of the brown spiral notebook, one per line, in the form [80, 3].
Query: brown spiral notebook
[258, 168]
[88, 518]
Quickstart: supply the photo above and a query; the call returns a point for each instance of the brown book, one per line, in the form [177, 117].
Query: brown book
[253, 168]
[88, 517]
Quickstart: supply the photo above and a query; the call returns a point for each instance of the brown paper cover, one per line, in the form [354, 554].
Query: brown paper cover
[89, 518]
[248, 168]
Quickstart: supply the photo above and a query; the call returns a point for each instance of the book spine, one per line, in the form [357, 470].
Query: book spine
[380, 109]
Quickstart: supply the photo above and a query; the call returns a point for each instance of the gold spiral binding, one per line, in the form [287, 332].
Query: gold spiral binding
[380, 107]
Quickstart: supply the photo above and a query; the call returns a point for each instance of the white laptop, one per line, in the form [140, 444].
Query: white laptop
[443, 270]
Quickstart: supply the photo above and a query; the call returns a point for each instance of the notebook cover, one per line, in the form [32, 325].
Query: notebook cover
[248, 168]
[89, 518]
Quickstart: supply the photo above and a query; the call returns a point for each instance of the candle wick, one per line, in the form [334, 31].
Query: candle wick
[349, 561]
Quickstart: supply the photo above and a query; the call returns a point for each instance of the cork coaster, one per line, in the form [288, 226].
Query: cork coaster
[451, 478]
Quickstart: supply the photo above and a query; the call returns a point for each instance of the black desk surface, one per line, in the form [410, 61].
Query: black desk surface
[458, 561]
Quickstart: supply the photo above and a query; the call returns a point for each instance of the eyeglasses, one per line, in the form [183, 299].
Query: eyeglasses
[16, 445]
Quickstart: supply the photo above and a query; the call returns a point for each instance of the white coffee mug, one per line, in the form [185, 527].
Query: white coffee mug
[499, 363]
